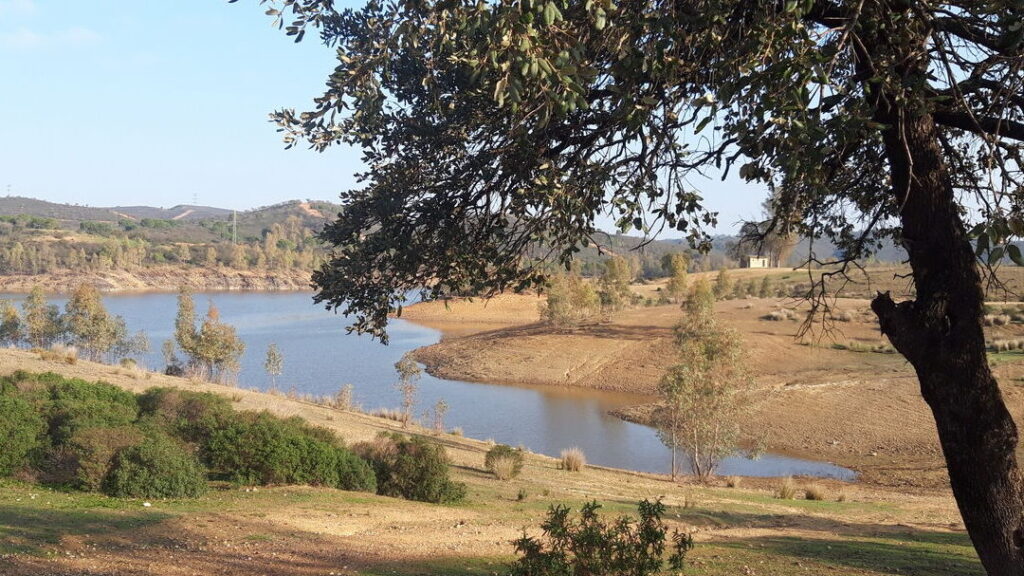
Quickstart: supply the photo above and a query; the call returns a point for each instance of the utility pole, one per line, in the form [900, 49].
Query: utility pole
[234, 227]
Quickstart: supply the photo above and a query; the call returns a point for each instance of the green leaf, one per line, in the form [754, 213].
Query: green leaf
[1015, 254]
[995, 255]
[549, 14]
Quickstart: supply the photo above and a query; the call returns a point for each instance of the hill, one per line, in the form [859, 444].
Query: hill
[50, 241]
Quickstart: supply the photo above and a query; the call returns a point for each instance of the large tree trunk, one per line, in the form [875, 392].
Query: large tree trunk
[940, 333]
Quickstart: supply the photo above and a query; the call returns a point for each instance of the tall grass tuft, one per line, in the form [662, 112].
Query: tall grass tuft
[573, 459]
[786, 490]
[814, 492]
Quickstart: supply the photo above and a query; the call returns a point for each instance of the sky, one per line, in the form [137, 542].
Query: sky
[160, 103]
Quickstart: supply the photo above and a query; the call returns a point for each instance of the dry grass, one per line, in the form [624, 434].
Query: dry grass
[573, 459]
[504, 467]
[814, 492]
[786, 490]
[59, 353]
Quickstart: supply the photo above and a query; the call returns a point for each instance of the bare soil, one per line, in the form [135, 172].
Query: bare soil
[823, 396]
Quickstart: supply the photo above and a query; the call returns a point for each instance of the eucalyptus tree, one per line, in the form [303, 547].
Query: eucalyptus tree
[490, 128]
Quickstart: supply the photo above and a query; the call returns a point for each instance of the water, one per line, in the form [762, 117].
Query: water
[319, 358]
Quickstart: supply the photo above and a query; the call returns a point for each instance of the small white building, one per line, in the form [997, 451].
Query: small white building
[750, 261]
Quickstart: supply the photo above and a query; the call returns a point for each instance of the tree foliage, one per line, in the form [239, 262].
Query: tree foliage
[213, 348]
[570, 301]
[42, 322]
[273, 363]
[703, 396]
[91, 327]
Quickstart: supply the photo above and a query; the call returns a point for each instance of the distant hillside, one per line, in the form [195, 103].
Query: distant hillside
[15, 205]
[45, 238]
[183, 212]
[39, 237]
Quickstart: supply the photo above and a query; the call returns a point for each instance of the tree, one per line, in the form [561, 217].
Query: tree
[409, 374]
[185, 322]
[440, 410]
[91, 328]
[723, 284]
[571, 301]
[10, 324]
[43, 324]
[615, 278]
[703, 395]
[212, 349]
[274, 363]
[491, 126]
[217, 348]
[675, 266]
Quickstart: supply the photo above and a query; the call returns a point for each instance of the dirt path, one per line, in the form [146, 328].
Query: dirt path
[305, 207]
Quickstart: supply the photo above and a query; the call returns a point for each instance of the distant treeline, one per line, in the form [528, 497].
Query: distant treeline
[34, 245]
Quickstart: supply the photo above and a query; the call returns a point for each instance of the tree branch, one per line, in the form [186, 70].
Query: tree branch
[980, 124]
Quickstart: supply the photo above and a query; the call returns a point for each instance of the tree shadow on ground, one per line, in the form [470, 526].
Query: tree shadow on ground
[915, 553]
[32, 531]
[883, 548]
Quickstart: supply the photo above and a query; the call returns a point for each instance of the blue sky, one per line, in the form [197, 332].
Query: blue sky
[158, 102]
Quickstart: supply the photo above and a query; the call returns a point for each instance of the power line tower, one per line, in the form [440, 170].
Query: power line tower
[234, 227]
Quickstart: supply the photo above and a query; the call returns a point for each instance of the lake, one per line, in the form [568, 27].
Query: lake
[320, 358]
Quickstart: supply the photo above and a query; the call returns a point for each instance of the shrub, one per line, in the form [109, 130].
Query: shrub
[77, 404]
[504, 461]
[786, 490]
[814, 492]
[93, 451]
[591, 545]
[192, 416]
[573, 459]
[258, 448]
[21, 431]
[412, 468]
[157, 468]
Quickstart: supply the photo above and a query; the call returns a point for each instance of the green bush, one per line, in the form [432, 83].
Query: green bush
[411, 468]
[76, 405]
[591, 545]
[93, 436]
[191, 416]
[257, 448]
[157, 468]
[504, 461]
[21, 432]
[93, 450]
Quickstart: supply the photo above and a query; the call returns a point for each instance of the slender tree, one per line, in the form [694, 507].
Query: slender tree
[273, 363]
[91, 328]
[409, 374]
[218, 348]
[11, 330]
[185, 322]
[43, 324]
[675, 266]
[492, 126]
